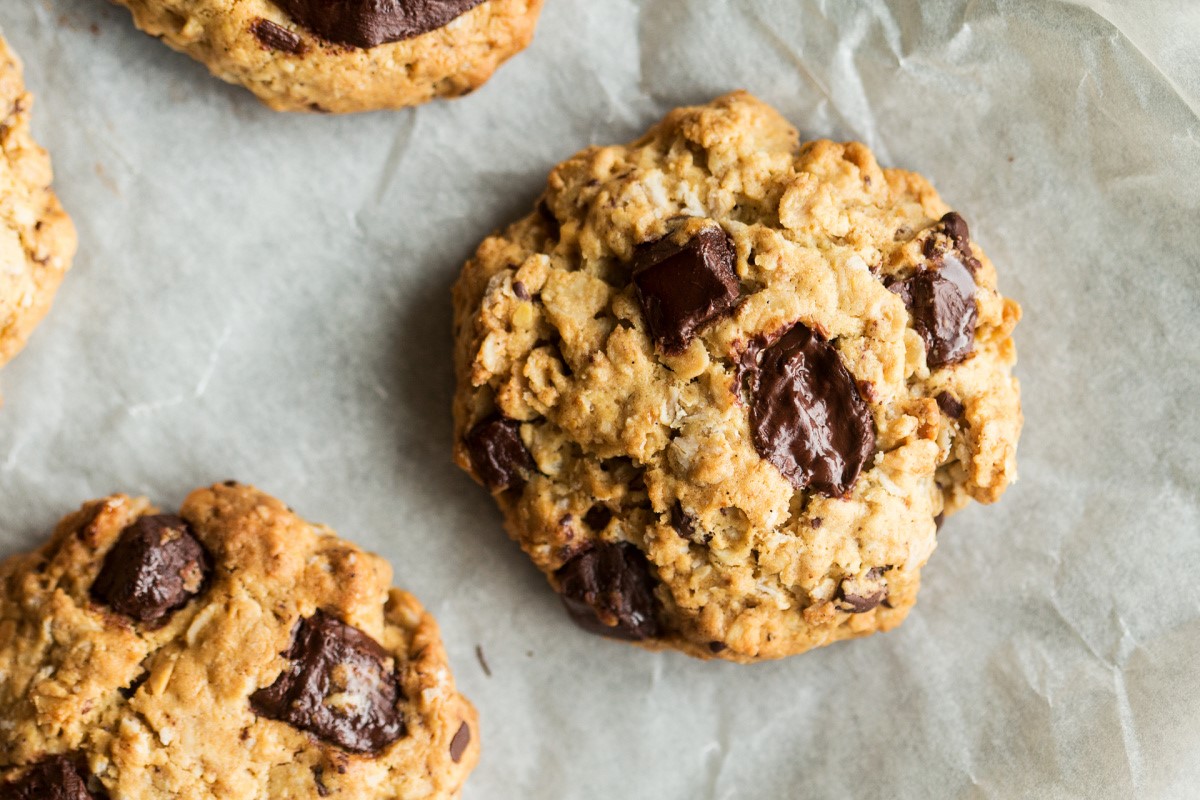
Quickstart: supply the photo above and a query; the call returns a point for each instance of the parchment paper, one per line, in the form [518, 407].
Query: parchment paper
[265, 297]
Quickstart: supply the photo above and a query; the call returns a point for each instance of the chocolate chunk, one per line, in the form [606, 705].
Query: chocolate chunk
[943, 309]
[520, 290]
[717, 647]
[857, 595]
[276, 37]
[155, 567]
[498, 454]
[339, 687]
[458, 744]
[684, 288]
[683, 522]
[367, 23]
[598, 517]
[806, 415]
[949, 405]
[56, 778]
[954, 226]
[609, 590]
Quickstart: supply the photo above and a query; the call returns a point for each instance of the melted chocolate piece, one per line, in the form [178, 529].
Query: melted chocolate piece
[458, 744]
[806, 415]
[155, 568]
[520, 290]
[943, 309]
[609, 590]
[498, 454]
[276, 37]
[682, 289]
[598, 517]
[56, 778]
[857, 595]
[339, 687]
[941, 295]
[367, 23]
[949, 405]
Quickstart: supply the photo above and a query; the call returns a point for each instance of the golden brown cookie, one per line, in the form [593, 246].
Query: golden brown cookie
[722, 382]
[232, 651]
[37, 239]
[312, 55]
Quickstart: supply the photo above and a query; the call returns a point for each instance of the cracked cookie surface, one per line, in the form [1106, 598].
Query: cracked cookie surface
[232, 651]
[722, 382]
[37, 239]
[299, 55]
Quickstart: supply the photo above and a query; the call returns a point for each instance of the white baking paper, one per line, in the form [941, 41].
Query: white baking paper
[265, 297]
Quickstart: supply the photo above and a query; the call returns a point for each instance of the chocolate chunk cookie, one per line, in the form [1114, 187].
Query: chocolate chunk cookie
[37, 239]
[350, 55]
[722, 383]
[234, 650]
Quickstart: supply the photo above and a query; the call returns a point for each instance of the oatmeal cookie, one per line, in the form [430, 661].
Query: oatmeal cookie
[722, 383]
[230, 651]
[354, 55]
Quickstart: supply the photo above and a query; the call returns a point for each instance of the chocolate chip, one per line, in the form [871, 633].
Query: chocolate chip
[498, 454]
[458, 744]
[552, 227]
[609, 590]
[598, 517]
[277, 37]
[857, 595]
[155, 567]
[683, 522]
[520, 291]
[949, 405]
[56, 778]
[956, 228]
[816, 522]
[717, 647]
[367, 23]
[806, 415]
[943, 309]
[684, 288]
[335, 661]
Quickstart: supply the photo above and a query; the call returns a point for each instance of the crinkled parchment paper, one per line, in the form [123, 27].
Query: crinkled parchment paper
[265, 297]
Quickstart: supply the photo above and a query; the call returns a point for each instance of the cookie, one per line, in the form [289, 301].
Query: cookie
[722, 383]
[357, 55]
[37, 239]
[232, 650]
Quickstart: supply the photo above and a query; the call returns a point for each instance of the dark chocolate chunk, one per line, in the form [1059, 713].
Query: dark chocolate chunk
[684, 288]
[520, 290]
[498, 454]
[857, 595]
[683, 522]
[943, 309]
[949, 405]
[598, 517]
[806, 415]
[56, 778]
[458, 744]
[367, 23]
[717, 647]
[609, 590]
[331, 658]
[276, 37]
[155, 567]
